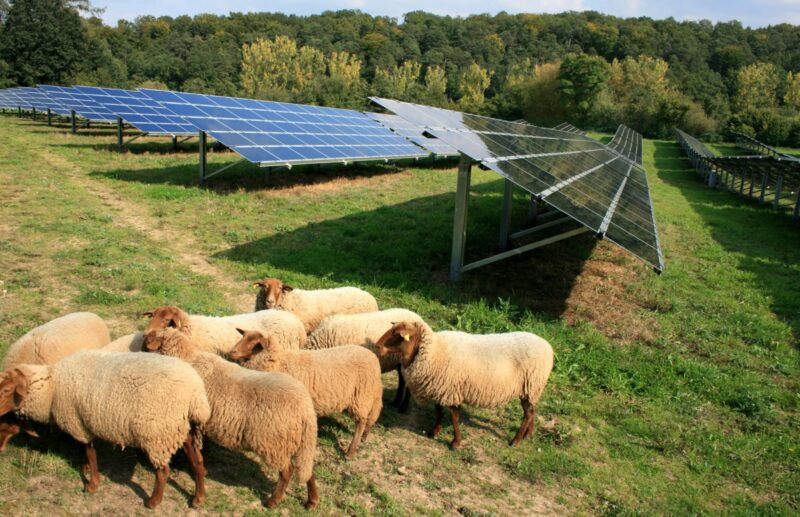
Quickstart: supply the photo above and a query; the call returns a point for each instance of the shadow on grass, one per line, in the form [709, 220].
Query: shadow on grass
[407, 246]
[767, 241]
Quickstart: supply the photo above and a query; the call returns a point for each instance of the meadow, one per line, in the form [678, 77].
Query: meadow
[671, 394]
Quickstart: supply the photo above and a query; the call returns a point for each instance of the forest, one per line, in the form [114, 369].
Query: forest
[593, 70]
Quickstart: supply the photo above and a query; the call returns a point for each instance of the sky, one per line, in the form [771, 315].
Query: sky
[750, 13]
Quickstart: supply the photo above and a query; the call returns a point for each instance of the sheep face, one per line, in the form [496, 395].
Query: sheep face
[152, 341]
[252, 342]
[402, 338]
[271, 290]
[166, 317]
[13, 388]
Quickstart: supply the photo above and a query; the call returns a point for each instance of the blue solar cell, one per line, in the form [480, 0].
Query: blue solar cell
[286, 133]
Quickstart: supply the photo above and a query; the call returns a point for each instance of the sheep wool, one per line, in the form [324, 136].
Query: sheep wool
[127, 343]
[363, 329]
[312, 306]
[131, 400]
[339, 379]
[56, 339]
[454, 368]
[268, 414]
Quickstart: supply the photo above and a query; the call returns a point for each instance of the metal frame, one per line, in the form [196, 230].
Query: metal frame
[203, 150]
[457, 266]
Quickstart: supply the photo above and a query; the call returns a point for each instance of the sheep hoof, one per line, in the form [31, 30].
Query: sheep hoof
[271, 503]
[435, 431]
[310, 505]
[90, 488]
[455, 444]
[197, 502]
[151, 503]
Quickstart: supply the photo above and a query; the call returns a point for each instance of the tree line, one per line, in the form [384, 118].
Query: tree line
[590, 69]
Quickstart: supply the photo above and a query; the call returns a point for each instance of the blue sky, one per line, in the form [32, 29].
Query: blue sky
[752, 13]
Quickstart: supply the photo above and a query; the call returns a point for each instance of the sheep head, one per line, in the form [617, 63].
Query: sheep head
[403, 338]
[13, 389]
[271, 290]
[167, 317]
[170, 342]
[253, 342]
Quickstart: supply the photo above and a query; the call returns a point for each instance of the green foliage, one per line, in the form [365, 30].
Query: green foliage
[757, 87]
[42, 41]
[472, 86]
[581, 80]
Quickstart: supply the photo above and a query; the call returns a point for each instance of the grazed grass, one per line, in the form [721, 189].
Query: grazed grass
[672, 395]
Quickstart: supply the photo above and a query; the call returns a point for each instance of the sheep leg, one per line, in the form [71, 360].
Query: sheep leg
[525, 428]
[162, 474]
[351, 451]
[401, 387]
[313, 495]
[196, 459]
[367, 429]
[406, 401]
[455, 412]
[7, 431]
[90, 469]
[283, 481]
[437, 426]
[531, 423]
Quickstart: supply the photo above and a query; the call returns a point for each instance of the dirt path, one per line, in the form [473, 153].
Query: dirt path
[129, 214]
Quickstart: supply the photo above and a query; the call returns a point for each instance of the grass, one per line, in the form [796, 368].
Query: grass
[672, 394]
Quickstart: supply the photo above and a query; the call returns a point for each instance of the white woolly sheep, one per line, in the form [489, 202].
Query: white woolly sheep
[127, 343]
[454, 368]
[218, 334]
[131, 400]
[365, 329]
[269, 414]
[48, 344]
[346, 378]
[58, 338]
[312, 306]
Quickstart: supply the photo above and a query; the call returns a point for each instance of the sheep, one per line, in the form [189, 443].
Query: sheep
[132, 400]
[47, 344]
[338, 379]
[312, 306]
[218, 334]
[269, 414]
[454, 368]
[365, 329]
[127, 343]
[58, 338]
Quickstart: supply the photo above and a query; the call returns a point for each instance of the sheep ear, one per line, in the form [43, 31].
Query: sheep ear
[258, 285]
[147, 314]
[287, 288]
[240, 331]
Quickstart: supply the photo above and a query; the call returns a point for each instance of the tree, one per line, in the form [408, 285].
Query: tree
[472, 87]
[791, 97]
[400, 82]
[43, 41]
[757, 87]
[277, 70]
[435, 92]
[581, 79]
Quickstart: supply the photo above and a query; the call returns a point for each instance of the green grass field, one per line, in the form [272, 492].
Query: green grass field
[674, 394]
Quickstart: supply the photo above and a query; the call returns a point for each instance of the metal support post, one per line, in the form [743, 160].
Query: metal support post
[741, 186]
[174, 143]
[712, 177]
[202, 148]
[778, 187]
[33, 113]
[120, 143]
[74, 122]
[764, 182]
[19, 111]
[796, 214]
[505, 217]
[533, 209]
[460, 217]
[267, 171]
[752, 185]
[49, 117]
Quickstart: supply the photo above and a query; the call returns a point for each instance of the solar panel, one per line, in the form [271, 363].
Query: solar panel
[413, 133]
[138, 109]
[569, 128]
[600, 188]
[16, 100]
[628, 143]
[275, 133]
[80, 103]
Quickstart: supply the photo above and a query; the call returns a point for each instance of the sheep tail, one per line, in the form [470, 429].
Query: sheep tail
[304, 458]
[375, 412]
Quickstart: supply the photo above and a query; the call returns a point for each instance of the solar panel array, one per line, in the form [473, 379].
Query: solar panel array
[414, 133]
[569, 128]
[598, 187]
[275, 133]
[628, 143]
[80, 103]
[138, 109]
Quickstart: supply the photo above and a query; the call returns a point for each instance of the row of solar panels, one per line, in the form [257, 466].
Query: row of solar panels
[269, 133]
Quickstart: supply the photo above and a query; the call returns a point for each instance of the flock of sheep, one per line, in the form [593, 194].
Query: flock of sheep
[303, 354]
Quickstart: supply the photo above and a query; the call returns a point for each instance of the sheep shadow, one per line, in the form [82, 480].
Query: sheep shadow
[407, 246]
[766, 242]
